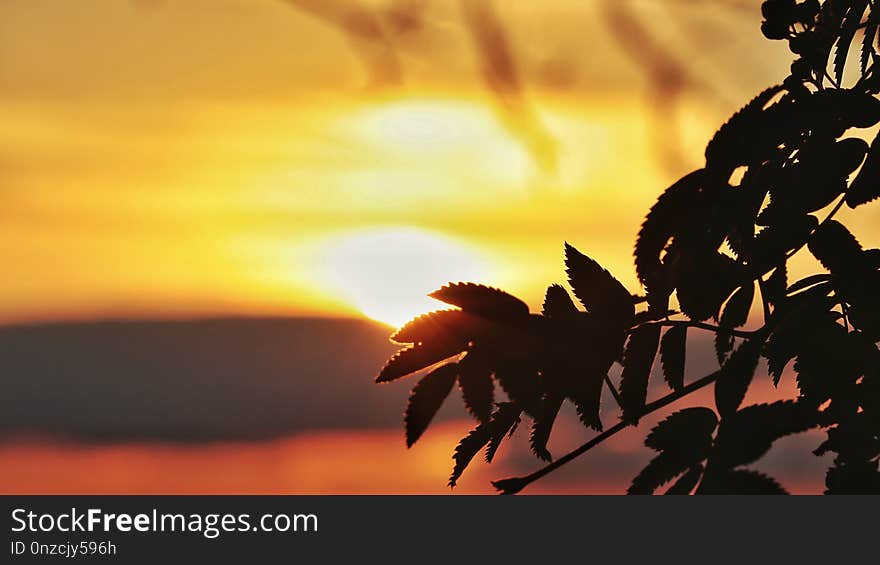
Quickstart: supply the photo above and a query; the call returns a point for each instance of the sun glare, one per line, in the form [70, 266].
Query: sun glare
[456, 137]
[386, 273]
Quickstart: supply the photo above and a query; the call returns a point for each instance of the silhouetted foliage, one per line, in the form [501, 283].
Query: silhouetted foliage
[707, 243]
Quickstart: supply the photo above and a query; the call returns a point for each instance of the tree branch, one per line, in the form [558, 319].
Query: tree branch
[691, 324]
[515, 484]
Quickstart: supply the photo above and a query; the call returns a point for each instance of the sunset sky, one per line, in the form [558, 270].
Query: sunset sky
[177, 159]
[172, 158]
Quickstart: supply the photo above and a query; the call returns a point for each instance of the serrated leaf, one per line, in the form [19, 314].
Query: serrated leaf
[804, 311]
[637, 361]
[734, 142]
[477, 389]
[835, 247]
[740, 481]
[487, 434]
[504, 421]
[661, 223]
[479, 299]
[672, 356]
[689, 429]
[543, 425]
[686, 483]
[705, 282]
[558, 304]
[775, 285]
[425, 400]
[736, 375]
[599, 292]
[866, 186]
[747, 435]
[586, 394]
[807, 282]
[521, 386]
[416, 358]
[734, 315]
[867, 52]
[440, 325]
[783, 235]
[660, 470]
[847, 33]
[466, 449]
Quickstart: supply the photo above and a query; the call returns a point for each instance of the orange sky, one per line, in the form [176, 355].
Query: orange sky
[215, 157]
[163, 158]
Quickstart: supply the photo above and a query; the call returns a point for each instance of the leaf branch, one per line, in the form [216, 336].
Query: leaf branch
[698, 325]
[515, 484]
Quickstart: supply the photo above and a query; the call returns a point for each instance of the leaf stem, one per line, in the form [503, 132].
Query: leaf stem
[516, 484]
[614, 392]
[692, 324]
[827, 218]
[764, 301]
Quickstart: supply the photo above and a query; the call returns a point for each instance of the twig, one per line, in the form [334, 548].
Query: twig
[827, 218]
[614, 392]
[515, 484]
[699, 325]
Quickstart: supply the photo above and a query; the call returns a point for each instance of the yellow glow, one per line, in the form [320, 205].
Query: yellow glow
[455, 140]
[386, 273]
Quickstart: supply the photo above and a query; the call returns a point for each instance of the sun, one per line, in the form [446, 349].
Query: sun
[386, 273]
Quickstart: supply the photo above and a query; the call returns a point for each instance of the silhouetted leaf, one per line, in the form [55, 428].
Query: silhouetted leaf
[736, 375]
[416, 358]
[637, 361]
[840, 108]
[807, 282]
[672, 355]
[504, 421]
[847, 32]
[735, 140]
[740, 481]
[835, 247]
[817, 178]
[686, 483]
[662, 469]
[543, 425]
[867, 51]
[492, 432]
[521, 386]
[772, 243]
[747, 435]
[775, 286]
[483, 300]
[734, 315]
[441, 325]
[586, 393]
[558, 304]
[426, 398]
[665, 216]
[477, 389]
[689, 429]
[856, 477]
[466, 449]
[705, 282]
[805, 311]
[597, 289]
[866, 186]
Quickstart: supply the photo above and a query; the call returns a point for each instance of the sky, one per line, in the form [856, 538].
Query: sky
[307, 158]
[201, 157]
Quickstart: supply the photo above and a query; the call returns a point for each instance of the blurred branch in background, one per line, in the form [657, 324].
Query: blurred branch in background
[376, 34]
[380, 32]
[367, 32]
[502, 77]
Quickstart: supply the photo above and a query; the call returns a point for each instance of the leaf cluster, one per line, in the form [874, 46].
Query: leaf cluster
[715, 246]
